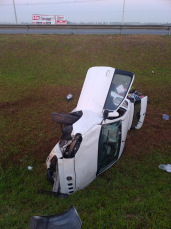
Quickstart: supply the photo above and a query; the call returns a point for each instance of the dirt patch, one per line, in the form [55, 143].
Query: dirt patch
[10, 107]
[31, 117]
[155, 133]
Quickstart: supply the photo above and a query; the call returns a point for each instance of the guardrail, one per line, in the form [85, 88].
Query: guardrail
[76, 27]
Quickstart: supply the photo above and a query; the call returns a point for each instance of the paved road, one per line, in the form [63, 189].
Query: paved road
[85, 31]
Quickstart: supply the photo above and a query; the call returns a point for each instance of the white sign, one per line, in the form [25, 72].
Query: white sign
[60, 20]
[39, 19]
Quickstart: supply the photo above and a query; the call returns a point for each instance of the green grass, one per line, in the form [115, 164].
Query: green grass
[37, 72]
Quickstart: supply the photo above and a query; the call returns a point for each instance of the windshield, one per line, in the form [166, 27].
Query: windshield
[118, 89]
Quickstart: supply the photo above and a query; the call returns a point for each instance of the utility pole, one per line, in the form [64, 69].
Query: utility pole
[123, 12]
[15, 12]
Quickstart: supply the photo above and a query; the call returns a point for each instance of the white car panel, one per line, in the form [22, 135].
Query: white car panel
[86, 158]
[86, 122]
[95, 89]
[55, 152]
[131, 105]
[125, 122]
[66, 169]
[142, 112]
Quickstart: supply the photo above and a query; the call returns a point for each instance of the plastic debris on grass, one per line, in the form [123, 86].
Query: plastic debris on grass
[165, 167]
[69, 97]
[165, 117]
[30, 168]
[66, 220]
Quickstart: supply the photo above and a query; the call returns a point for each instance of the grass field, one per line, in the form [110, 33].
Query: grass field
[36, 74]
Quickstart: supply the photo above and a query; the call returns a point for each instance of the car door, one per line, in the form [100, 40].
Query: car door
[139, 113]
[113, 131]
[109, 145]
[142, 112]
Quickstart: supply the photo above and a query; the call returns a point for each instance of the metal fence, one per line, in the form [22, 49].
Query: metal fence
[84, 27]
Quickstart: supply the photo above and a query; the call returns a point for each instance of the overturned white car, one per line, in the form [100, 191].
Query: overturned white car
[94, 133]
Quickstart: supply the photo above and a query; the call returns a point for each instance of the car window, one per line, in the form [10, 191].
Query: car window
[109, 145]
[117, 92]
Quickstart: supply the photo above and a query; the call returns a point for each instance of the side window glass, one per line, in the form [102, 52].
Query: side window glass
[109, 145]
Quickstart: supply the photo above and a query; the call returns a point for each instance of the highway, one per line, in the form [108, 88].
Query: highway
[84, 31]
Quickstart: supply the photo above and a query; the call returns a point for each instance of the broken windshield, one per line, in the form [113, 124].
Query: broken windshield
[117, 92]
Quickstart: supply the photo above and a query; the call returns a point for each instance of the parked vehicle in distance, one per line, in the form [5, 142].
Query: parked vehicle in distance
[94, 133]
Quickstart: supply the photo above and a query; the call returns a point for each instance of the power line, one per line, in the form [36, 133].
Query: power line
[55, 3]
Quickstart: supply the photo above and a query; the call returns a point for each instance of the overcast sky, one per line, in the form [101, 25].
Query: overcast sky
[143, 11]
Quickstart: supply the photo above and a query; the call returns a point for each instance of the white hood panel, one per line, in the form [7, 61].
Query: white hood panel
[95, 89]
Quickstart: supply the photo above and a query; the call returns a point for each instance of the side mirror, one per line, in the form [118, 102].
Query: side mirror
[113, 114]
[110, 114]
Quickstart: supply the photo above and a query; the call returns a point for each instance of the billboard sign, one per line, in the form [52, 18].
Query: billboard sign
[39, 19]
[60, 20]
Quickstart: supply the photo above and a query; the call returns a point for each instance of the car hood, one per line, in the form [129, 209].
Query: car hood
[95, 89]
[104, 88]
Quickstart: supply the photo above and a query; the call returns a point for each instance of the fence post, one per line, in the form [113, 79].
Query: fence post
[121, 31]
[27, 28]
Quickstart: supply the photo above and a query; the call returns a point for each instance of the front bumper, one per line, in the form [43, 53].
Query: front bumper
[61, 172]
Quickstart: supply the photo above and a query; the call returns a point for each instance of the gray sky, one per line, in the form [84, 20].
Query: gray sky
[143, 11]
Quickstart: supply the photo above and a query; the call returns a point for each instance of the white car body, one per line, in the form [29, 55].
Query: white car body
[96, 140]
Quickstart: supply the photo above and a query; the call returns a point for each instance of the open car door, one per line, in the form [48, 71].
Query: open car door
[139, 113]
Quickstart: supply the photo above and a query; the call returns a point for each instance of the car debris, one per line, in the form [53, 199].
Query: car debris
[94, 133]
[30, 167]
[165, 117]
[69, 97]
[66, 220]
[165, 167]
